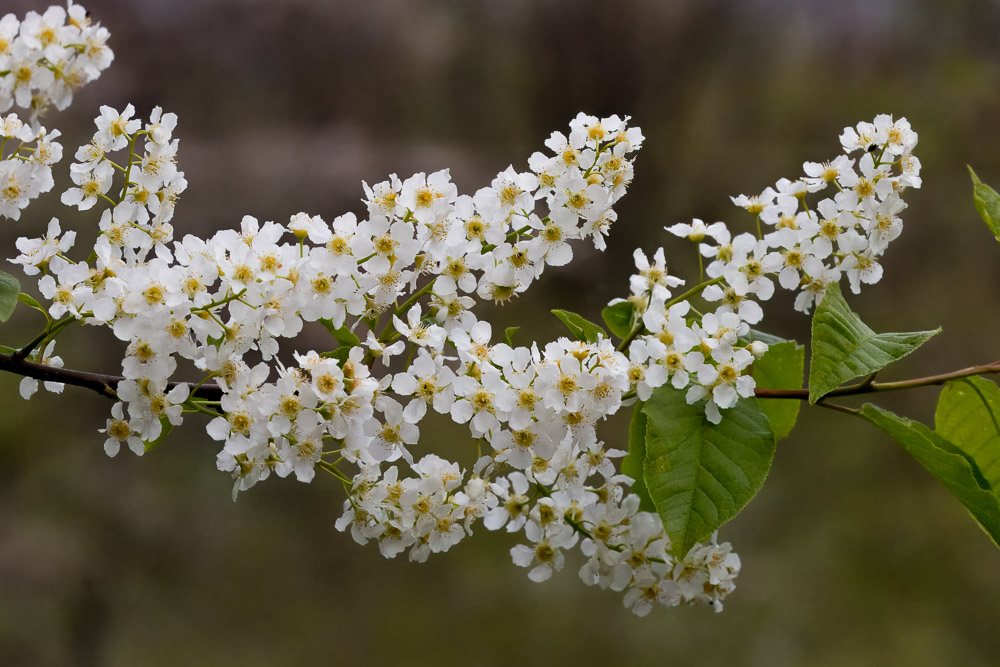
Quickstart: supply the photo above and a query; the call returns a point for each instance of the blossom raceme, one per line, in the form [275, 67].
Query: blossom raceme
[398, 288]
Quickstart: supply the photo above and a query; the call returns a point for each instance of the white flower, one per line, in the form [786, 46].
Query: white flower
[29, 385]
[90, 184]
[115, 129]
[119, 431]
[698, 230]
[546, 556]
[652, 277]
[36, 253]
[417, 332]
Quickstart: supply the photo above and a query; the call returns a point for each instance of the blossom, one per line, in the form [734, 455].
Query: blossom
[398, 285]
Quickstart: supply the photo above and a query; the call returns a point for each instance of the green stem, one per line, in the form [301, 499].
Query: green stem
[597, 156]
[490, 247]
[697, 289]
[333, 470]
[197, 407]
[221, 302]
[50, 331]
[128, 171]
[409, 357]
[390, 329]
[413, 299]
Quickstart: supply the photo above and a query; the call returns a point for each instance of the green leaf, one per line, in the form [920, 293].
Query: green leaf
[699, 474]
[987, 202]
[764, 337]
[340, 354]
[619, 318]
[968, 416]
[165, 428]
[580, 328]
[843, 347]
[632, 464]
[30, 301]
[10, 288]
[508, 335]
[941, 458]
[345, 337]
[783, 367]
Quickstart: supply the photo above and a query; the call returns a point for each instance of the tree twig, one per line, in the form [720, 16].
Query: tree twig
[105, 385]
[869, 386]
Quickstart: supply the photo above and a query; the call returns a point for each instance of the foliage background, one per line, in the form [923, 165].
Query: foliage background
[852, 553]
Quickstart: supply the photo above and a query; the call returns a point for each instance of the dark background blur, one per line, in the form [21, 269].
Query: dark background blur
[852, 553]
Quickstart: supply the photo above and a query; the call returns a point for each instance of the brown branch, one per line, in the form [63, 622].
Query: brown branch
[869, 386]
[105, 385]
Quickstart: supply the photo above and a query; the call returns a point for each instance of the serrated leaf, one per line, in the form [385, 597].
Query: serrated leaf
[508, 335]
[165, 428]
[9, 290]
[633, 462]
[987, 202]
[782, 367]
[844, 348]
[619, 318]
[699, 474]
[968, 416]
[939, 456]
[344, 336]
[581, 328]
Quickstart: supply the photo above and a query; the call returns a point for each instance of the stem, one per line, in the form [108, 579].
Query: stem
[198, 407]
[128, 170]
[409, 357]
[490, 247]
[838, 407]
[697, 289]
[683, 297]
[333, 470]
[50, 330]
[105, 385]
[869, 386]
[401, 311]
[221, 302]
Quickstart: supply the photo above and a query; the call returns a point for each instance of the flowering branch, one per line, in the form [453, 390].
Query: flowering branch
[105, 384]
[698, 450]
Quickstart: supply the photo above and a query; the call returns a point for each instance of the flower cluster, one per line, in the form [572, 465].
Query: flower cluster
[45, 57]
[26, 171]
[397, 290]
[805, 249]
[213, 302]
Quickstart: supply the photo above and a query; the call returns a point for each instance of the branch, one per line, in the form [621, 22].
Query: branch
[105, 385]
[869, 386]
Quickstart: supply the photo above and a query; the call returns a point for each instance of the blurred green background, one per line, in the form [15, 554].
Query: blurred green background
[852, 553]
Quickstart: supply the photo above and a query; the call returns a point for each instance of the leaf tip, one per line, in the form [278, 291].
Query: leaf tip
[975, 179]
